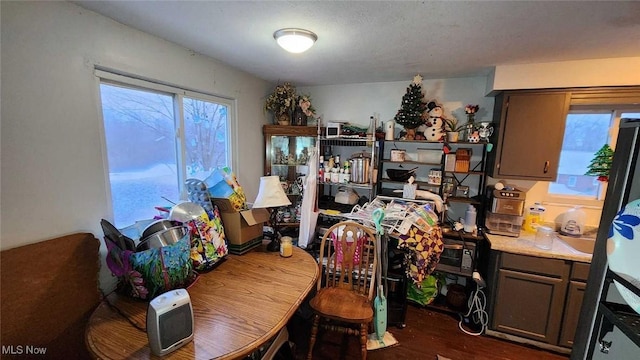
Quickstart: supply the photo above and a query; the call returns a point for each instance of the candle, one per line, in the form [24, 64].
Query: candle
[286, 247]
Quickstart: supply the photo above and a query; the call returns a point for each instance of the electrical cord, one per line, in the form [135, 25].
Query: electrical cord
[477, 302]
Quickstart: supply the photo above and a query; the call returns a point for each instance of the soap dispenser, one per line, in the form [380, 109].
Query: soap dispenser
[573, 222]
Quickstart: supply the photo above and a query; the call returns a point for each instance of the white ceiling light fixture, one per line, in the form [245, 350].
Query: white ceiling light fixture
[295, 40]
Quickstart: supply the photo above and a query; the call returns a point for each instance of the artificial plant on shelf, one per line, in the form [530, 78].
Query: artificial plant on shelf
[601, 163]
[453, 127]
[303, 110]
[281, 103]
[412, 108]
[471, 111]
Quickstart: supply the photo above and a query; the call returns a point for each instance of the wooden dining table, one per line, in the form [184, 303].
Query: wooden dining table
[238, 307]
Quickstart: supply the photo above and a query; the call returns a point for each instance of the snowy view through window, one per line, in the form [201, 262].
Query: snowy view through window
[142, 147]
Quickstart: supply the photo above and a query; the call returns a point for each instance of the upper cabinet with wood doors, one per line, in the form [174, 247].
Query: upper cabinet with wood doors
[531, 129]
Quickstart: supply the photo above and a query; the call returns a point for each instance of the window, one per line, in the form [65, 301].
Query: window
[157, 136]
[587, 129]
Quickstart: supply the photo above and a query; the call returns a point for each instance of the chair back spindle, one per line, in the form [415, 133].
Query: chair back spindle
[349, 250]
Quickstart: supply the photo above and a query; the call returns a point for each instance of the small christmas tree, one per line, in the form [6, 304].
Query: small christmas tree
[601, 163]
[412, 107]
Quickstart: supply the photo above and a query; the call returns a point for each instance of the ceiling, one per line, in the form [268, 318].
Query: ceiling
[379, 41]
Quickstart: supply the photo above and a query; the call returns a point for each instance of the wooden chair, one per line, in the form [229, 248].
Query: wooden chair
[346, 286]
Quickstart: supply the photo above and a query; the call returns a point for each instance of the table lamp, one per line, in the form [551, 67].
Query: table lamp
[271, 196]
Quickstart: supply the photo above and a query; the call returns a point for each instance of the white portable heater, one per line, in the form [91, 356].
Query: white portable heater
[169, 321]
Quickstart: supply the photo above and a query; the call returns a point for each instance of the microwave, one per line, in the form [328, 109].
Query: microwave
[458, 256]
[333, 129]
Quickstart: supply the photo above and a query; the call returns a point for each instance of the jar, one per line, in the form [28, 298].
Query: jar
[286, 246]
[544, 237]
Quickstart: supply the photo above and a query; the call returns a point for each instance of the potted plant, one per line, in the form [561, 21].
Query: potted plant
[281, 102]
[453, 128]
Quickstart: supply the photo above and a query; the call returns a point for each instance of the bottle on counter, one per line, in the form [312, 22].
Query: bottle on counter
[573, 222]
[534, 217]
[321, 169]
[470, 219]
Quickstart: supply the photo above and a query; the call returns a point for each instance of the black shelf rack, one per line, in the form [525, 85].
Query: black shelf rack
[621, 316]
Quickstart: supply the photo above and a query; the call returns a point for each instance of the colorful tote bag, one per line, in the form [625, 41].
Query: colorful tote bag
[208, 241]
[147, 274]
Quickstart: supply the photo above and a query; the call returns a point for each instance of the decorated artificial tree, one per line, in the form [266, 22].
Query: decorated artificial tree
[412, 108]
[601, 163]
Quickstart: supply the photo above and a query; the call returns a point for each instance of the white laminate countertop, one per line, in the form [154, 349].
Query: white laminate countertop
[523, 245]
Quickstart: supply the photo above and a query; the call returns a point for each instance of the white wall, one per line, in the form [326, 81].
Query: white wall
[53, 174]
[566, 74]
[357, 102]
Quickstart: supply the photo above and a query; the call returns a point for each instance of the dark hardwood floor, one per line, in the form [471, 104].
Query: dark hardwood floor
[427, 333]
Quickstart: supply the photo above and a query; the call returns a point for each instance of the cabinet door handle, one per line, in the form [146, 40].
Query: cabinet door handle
[546, 166]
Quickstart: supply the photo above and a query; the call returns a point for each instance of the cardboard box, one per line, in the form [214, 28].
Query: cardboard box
[463, 159]
[241, 227]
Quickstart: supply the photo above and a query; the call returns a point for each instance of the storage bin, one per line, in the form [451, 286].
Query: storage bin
[429, 156]
[503, 223]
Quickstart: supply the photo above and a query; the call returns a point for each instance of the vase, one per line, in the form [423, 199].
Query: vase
[298, 118]
[283, 119]
[471, 118]
[452, 136]
[469, 128]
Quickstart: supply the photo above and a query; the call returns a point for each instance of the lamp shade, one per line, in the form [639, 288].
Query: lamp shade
[295, 40]
[270, 193]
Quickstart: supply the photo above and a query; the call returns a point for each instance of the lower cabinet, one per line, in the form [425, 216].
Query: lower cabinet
[536, 298]
[575, 295]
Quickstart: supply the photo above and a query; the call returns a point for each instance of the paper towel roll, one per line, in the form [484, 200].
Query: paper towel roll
[388, 129]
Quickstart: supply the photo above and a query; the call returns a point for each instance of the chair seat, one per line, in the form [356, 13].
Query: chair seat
[351, 307]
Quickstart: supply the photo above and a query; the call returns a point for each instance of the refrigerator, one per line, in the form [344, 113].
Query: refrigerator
[624, 187]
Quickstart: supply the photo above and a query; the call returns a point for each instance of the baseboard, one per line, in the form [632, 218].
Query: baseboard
[538, 344]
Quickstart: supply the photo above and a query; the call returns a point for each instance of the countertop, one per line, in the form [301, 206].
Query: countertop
[523, 245]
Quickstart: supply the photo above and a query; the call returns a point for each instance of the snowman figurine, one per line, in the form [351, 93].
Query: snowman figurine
[434, 123]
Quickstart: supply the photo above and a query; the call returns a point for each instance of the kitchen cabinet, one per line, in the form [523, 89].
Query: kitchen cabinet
[530, 128]
[575, 295]
[286, 149]
[528, 296]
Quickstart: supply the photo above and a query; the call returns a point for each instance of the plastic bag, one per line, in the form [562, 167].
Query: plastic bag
[425, 294]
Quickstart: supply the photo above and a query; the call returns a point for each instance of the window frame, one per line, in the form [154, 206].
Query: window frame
[178, 93]
[571, 200]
